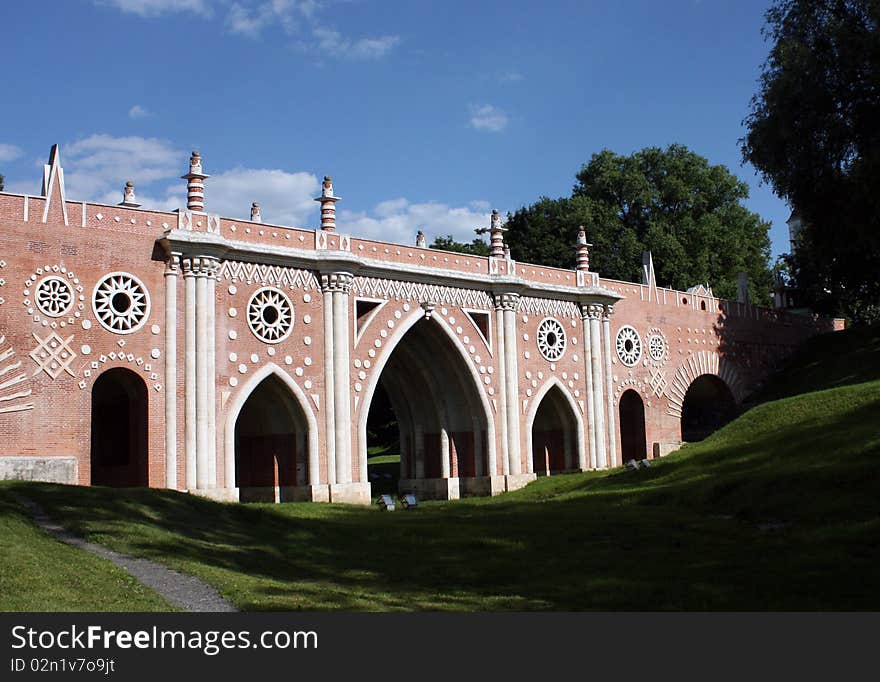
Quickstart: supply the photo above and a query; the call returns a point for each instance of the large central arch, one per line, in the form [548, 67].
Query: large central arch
[269, 408]
[447, 436]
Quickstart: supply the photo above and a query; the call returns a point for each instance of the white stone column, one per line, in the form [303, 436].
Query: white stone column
[201, 377]
[329, 380]
[213, 267]
[609, 387]
[342, 396]
[591, 409]
[509, 303]
[172, 267]
[189, 369]
[444, 453]
[595, 313]
[500, 362]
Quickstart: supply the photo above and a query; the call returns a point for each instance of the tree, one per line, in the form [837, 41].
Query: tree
[476, 248]
[668, 201]
[1, 183]
[812, 133]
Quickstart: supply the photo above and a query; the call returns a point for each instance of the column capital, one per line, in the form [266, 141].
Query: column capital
[336, 282]
[507, 301]
[172, 265]
[592, 311]
[608, 311]
[200, 266]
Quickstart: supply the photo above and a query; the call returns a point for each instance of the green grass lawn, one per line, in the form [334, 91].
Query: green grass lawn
[38, 573]
[779, 510]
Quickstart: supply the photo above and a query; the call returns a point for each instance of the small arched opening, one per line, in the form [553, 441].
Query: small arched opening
[554, 436]
[633, 442]
[119, 431]
[271, 456]
[708, 405]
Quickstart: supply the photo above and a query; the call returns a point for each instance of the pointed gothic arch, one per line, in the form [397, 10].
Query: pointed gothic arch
[557, 444]
[297, 399]
[465, 427]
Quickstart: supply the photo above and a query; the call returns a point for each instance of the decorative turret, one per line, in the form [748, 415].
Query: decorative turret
[328, 208]
[496, 237]
[256, 216]
[583, 251]
[128, 196]
[195, 186]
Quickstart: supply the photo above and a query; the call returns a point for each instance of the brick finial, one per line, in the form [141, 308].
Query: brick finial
[583, 251]
[496, 236]
[195, 186]
[328, 208]
[128, 196]
[256, 216]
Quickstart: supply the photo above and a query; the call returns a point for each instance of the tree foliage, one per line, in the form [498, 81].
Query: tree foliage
[477, 247]
[671, 202]
[813, 134]
[1, 182]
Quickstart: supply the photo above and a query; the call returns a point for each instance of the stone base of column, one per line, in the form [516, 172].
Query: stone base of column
[481, 486]
[517, 481]
[431, 488]
[351, 493]
[216, 494]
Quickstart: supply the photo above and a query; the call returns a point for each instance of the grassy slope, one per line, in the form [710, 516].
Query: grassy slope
[778, 510]
[38, 573]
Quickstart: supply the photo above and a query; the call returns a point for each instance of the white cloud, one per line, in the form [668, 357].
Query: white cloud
[137, 111]
[332, 43]
[250, 20]
[397, 220]
[9, 152]
[511, 77]
[284, 198]
[99, 165]
[154, 8]
[488, 117]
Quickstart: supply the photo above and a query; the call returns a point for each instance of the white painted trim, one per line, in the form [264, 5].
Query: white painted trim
[538, 398]
[240, 398]
[359, 332]
[488, 313]
[400, 332]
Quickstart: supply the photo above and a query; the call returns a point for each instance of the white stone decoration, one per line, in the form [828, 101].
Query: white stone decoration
[657, 347]
[15, 384]
[54, 355]
[270, 315]
[121, 303]
[385, 289]
[629, 345]
[268, 274]
[551, 339]
[54, 296]
[548, 306]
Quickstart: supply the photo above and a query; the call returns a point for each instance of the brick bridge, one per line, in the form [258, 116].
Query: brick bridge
[239, 360]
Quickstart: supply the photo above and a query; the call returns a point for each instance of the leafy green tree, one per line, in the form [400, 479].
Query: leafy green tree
[813, 135]
[669, 201]
[477, 247]
[1, 183]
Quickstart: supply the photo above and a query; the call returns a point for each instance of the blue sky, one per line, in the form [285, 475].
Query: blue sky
[426, 114]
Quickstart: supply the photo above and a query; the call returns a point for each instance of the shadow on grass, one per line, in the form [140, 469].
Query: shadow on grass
[776, 511]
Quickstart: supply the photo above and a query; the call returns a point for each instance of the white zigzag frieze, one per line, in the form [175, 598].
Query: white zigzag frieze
[548, 306]
[376, 287]
[268, 274]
